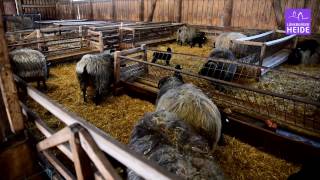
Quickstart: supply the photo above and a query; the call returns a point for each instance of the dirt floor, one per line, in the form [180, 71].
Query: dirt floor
[117, 116]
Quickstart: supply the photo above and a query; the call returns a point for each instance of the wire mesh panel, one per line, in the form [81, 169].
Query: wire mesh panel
[291, 99]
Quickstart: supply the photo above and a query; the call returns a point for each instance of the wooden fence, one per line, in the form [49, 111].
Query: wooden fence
[83, 143]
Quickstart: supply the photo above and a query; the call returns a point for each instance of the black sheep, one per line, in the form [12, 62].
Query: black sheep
[200, 39]
[306, 52]
[162, 56]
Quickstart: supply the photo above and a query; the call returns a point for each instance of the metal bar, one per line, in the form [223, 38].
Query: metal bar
[227, 83]
[242, 64]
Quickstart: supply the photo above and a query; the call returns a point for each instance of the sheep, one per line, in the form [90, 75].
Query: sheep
[30, 65]
[306, 52]
[162, 56]
[95, 70]
[223, 41]
[173, 144]
[169, 82]
[190, 36]
[191, 105]
[200, 39]
[182, 35]
[219, 70]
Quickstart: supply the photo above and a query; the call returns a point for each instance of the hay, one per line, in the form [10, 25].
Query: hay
[115, 115]
[118, 115]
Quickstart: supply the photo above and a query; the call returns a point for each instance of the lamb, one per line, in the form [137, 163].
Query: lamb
[173, 144]
[95, 70]
[306, 52]
[219, 70]
[191, 105]
[162, 56]
[31, 65]
[223, 41]
[200, 39]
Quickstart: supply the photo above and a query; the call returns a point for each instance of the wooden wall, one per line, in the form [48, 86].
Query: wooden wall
[47, 8]
[258, 14]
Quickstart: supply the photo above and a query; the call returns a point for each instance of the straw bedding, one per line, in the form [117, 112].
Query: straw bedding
[117, 115]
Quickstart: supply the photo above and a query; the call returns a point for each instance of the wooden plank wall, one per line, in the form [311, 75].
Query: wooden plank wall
[258, 14]
[45, 7]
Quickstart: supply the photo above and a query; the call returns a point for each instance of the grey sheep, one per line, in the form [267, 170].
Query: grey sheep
[223, 41]
[171, 143]
[95, 70]
[193, 106]
[30, 65]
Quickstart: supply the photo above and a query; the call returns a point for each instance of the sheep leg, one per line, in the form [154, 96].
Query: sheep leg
[200, 45]
[154, 60]
[97, 97]
[38, 84]
[84, 91]
[44, 85]
[167, 62]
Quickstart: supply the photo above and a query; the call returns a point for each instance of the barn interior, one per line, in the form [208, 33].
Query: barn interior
[269, 108]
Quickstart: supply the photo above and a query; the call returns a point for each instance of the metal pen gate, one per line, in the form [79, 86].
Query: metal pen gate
[290, 99]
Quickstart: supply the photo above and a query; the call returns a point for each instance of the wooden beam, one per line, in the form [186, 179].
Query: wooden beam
[97, 156]
[81, 161]
[179, 16]
[227, 13]
[56, 139]
[141, 14]
[58, 166]
[8, 87]
[37, 6]
[153, 7]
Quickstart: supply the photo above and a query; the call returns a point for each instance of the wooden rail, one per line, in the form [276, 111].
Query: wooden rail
[79, 130]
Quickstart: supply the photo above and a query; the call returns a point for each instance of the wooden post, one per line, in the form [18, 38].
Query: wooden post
[101, 44]
[2, 7]
[141, 15]
[19, 7]
[153, 7]
[133, 38]
[4, 124]
[227, 14]
[114, 14]
[179, 16]
[278, 13]
[91, 11]
[39, 36]
[8, 87]
[262, 54]
[73, 14]
[81, 36]
[116, 70]
[145, 57]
